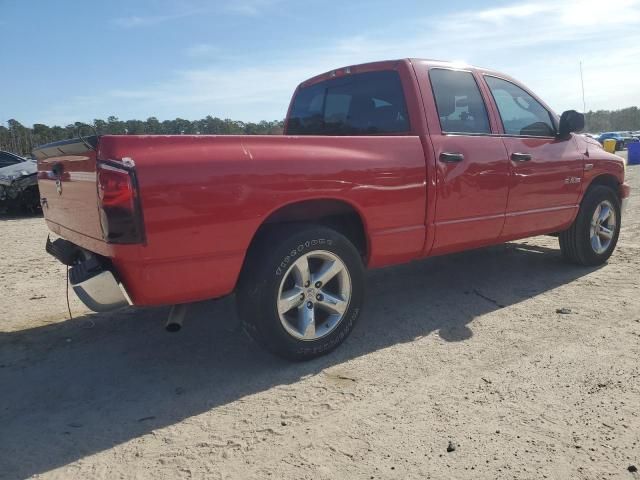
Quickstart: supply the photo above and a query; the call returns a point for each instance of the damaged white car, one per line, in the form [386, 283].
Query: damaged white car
[18, 184]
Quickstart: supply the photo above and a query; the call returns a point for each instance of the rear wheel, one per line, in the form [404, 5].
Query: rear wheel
[301, 291]
[593, 235]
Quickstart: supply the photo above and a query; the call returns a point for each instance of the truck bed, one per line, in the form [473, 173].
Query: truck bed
[204, 197]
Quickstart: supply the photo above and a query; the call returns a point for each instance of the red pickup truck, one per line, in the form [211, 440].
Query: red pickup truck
[380, 164]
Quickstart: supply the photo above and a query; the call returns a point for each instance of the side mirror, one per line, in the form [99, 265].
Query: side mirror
[570, 122]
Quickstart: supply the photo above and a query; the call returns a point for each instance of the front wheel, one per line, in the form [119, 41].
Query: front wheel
[593, 235]
[301, 291]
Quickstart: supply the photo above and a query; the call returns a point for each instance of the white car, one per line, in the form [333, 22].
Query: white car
[18, 183]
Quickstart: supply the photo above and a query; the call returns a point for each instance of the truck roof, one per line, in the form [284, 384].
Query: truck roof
[388, 64]
[411, 63]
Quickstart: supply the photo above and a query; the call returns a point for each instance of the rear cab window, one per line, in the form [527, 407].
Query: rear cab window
[460, 105]
[370, 103]
[520, 113]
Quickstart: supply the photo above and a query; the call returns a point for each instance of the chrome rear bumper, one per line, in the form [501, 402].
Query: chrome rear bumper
[100, 292]
[90, 276]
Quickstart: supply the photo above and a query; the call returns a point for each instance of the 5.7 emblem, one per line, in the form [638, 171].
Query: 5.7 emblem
[571, 180]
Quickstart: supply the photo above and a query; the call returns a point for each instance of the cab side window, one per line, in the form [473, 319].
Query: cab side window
[459, 102]
[521, 114]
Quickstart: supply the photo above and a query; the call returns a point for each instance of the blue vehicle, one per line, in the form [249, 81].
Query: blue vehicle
[621, 139]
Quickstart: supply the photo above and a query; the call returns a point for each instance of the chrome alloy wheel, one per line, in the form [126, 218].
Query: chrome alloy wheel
[603, 227]
[314, 295]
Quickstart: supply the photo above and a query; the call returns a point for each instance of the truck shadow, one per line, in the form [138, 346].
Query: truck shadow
[79, 387]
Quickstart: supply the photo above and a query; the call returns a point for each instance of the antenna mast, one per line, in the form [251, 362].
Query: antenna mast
[584, 104]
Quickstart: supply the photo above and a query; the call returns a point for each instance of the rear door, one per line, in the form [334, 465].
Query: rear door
[472, 169]
[546, 172]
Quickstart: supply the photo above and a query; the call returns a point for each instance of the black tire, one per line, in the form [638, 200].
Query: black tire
[575, 242]
[266, 268]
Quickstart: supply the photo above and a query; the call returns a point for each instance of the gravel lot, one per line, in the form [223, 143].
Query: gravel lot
[465, 349]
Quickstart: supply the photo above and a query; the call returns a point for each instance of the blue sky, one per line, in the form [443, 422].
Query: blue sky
[66, 60]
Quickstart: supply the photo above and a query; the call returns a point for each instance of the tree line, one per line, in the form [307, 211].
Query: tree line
[626, 119]
[20, 139]
[17, 138]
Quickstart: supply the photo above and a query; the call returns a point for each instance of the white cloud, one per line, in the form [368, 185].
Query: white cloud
[513, 12]
[539, 43]
[134, 21]
[543, 43]
[235, 7]
[250, 7]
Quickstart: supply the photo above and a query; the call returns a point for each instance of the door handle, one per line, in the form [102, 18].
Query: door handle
[451, 157]
[521, 157]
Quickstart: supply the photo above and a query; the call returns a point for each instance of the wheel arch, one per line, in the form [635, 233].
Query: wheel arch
[605, 179]
[334, 213]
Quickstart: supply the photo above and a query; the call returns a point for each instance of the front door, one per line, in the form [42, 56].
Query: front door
[546, 172]
[472, 170]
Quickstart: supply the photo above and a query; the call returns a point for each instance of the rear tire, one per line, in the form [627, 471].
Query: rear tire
[593, 235]
[301, 291]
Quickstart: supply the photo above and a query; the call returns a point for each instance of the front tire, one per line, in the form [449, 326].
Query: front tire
[301, 291]
[593, 235]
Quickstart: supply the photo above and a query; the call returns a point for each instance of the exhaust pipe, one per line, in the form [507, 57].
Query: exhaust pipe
[176, 317]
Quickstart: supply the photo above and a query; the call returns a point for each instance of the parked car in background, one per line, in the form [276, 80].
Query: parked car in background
[379, 164]
[8, 158]
[621, 138]
[630, 138]
[18, 183]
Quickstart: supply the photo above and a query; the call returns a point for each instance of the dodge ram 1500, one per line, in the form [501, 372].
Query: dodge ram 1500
[379, 164]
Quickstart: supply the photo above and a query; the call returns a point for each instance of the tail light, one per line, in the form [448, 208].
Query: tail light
[119, 203]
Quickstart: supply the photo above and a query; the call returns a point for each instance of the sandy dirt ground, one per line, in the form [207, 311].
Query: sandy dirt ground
[467, 349]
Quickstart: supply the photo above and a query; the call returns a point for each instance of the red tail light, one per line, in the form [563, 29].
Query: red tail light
[119, 204]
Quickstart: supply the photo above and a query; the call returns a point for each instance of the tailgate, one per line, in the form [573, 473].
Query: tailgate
[67, 183]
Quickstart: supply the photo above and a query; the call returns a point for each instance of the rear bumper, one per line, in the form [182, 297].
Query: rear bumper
[97, 288]
[152, 281]
[90, 276]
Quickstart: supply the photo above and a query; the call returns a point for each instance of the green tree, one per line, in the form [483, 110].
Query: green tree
[20, 139]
